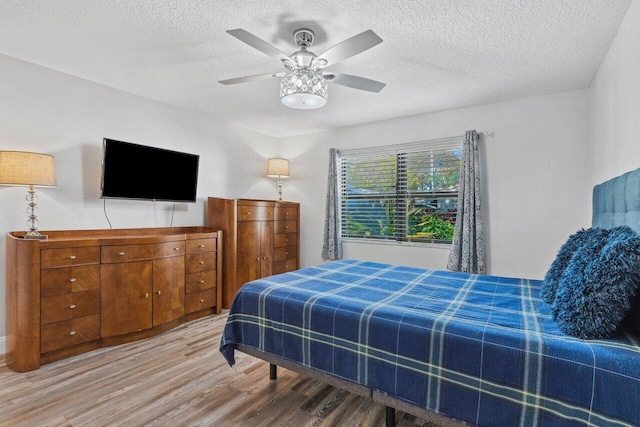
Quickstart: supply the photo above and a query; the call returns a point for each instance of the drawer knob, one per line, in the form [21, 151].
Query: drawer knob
[176, 249]
[201, 246]
[201, 300]
[146, 295]
[202, 281]
[201, 262]
[72, 306]
[286, 240]
[286, 253]
[121, 253]
[248, 213]
[72, 257]
[72, 333]
[73, 279]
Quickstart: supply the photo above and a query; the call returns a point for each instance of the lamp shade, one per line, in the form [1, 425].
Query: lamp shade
[25, 168]
[278, 168]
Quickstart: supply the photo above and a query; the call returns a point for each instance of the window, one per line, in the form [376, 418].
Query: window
[405, 193]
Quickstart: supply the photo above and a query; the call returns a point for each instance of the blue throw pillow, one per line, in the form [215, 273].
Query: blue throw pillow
[597, 289]
[559, 265]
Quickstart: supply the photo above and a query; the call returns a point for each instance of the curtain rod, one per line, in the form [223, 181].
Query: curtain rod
[405, 146]
[482, 133]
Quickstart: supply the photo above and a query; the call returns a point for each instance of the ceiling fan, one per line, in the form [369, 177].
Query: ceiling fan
[304, 84]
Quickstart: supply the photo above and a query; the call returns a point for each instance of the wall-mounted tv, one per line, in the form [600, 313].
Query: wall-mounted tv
[134, 171]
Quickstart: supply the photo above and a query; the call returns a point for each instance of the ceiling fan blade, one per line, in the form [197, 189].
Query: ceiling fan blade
[258, 43]
[348, 48]
[354, 82]
[250, 78]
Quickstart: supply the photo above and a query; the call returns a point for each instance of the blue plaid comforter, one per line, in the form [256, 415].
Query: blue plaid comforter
[482, 349]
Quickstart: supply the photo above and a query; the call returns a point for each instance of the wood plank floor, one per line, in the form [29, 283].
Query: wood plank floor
[178, 378]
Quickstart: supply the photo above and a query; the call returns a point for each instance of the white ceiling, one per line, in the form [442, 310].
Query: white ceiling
[436, 54]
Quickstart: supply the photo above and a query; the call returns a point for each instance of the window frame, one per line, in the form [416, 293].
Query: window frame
[401, 195]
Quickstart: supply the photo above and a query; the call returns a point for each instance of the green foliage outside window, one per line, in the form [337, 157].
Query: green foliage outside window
[411, 196]
[430, 226]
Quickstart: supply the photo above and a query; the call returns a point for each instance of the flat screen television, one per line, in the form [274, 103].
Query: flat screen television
[134, 171]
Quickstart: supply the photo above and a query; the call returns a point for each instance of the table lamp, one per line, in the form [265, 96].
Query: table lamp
[278, 168]
[32, 169]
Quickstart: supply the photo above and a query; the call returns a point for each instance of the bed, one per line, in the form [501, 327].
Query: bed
[454, 348]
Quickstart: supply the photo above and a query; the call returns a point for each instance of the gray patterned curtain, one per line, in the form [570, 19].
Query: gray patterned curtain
[467, 249]
[332, 245]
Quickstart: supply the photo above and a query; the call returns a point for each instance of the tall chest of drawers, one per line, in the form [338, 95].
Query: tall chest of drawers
[84, 289]
[262, 237]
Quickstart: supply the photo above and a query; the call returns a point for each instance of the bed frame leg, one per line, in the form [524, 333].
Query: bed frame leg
[273, 371]
[391, 416]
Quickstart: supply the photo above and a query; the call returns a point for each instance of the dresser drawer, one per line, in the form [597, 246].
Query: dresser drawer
[200, 262]
[196, 282]
[169, 249]
[69, 332]
[255, 213]
[200, 300]
[65, 257]
[69, 306]
[124, 253]
[280, 240]
[57, 281]
[284, 266]
[286, 252]
[201, 245]
[283, 227]
[286, 214]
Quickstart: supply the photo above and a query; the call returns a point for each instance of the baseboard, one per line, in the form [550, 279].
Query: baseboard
[3, 346]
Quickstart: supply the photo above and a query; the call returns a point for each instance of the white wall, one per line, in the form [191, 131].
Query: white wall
[46, 111]
[615, 104]
[535, 176]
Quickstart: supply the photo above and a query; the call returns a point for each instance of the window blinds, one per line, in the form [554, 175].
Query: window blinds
[401, 192]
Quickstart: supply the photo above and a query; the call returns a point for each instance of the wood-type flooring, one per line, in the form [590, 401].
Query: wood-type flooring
[178, 378]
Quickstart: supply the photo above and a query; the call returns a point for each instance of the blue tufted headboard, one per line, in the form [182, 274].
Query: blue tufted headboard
[617, 202]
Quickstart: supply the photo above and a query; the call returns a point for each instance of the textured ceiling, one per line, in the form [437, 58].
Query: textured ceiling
[436, 54]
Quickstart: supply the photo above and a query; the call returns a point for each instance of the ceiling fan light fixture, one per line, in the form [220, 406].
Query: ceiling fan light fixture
[304, 85]
[303, 90]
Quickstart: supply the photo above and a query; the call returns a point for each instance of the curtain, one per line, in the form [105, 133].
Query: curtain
[332, 245]
[467, 249]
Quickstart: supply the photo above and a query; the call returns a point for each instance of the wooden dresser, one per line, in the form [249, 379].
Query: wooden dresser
[84, 289]
[262, 237]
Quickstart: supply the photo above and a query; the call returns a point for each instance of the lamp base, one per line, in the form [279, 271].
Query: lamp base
[32, 222]
[279, 189]
[35, 236]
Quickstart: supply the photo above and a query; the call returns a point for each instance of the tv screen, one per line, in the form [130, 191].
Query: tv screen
[134, 171]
